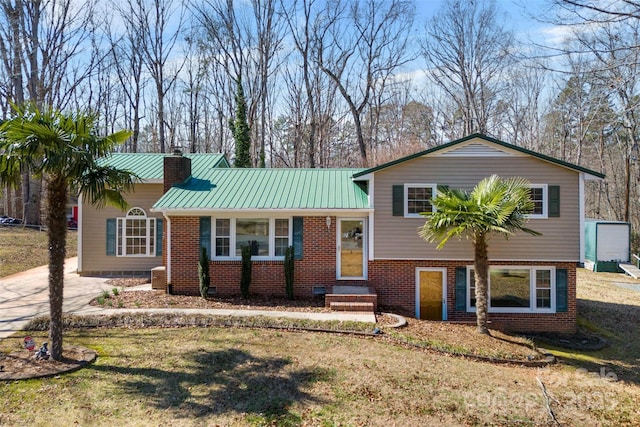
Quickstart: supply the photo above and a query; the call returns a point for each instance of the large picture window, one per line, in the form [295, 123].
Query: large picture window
[267, 237]
[417, 198]
[136, 234]
[516, 289]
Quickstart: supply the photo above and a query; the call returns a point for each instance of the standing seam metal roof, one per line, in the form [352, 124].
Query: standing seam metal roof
[150, 166]
[267, 189]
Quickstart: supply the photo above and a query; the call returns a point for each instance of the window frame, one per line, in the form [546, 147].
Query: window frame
[405, 201]
[545, 202]
[232, 237]
[150, 225]
[533, 308]
[215, 236]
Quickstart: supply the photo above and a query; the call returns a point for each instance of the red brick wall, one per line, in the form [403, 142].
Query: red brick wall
[395, 284]
[185, 244]
[394, 281]
[316, 268]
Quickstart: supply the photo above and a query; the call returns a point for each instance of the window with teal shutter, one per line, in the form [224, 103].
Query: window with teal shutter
[461, 288]
[111, 237]
[205, 234]
[562, 290]
[159, 233]
[298, 223]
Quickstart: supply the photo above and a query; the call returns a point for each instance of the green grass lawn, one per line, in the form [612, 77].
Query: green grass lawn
[239, 377]
[257, 377]
[24, 248]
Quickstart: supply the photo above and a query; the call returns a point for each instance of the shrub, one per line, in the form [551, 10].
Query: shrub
[245, 277]
[288, 271]
[203, 273]
[115, 292]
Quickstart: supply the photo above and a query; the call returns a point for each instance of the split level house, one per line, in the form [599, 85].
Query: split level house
[352, 227]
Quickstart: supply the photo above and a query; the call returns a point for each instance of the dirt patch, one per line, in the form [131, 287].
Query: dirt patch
[463, 339]
[21, 364]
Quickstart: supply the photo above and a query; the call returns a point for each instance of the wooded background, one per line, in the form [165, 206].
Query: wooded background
[331, 83]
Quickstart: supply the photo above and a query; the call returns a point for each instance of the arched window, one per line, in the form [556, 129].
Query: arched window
[136, 234]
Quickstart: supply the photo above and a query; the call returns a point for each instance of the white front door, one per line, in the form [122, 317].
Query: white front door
[352, 243]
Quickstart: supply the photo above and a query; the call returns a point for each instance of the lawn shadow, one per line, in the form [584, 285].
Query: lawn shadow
[223, 382]
[619, 325]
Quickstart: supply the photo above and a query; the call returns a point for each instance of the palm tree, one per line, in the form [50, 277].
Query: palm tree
[63, 149]
[494, 206]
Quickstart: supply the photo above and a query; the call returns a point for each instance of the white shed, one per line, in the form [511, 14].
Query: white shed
[607, 244]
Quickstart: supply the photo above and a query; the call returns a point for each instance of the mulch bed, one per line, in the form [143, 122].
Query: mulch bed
[21, 364]
[160, 299]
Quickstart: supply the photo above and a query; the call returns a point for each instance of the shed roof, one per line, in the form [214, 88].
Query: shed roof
[150, 166]
[293, 189]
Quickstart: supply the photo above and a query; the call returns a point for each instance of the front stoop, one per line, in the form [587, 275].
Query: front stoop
[366, 307]
[366, 302]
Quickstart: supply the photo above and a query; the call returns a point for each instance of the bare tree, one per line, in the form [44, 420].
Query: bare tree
[158, 23]
[524, 105]
[360, 45]
[270, 35]
[599, 11]
[127, 61]
[467, 50]
[245, 41]
[41, 51]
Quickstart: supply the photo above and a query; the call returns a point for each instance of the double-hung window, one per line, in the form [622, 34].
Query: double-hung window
[136, 234]
[417, 199]
[267, 237]
[539, 197]
[516, 289]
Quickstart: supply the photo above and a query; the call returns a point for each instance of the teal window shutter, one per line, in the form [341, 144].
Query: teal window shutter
[298, 223]
[554, 201]
[159, 233]
[205, 234]
[111, 236]
[398, 200]
[562, 290]
[461, 288]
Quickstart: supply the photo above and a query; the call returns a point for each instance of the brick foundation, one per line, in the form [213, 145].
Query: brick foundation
[393, 280]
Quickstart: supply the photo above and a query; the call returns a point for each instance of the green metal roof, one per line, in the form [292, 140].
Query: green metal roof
[486, 138]
[149, 166]
[267, 189]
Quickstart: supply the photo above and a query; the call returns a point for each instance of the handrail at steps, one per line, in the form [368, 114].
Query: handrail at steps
[636, 259]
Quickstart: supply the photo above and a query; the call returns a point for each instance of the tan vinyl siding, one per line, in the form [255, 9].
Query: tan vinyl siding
[94, 234]
[396, 237]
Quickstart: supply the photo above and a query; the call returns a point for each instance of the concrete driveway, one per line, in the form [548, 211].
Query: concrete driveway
[26, 295]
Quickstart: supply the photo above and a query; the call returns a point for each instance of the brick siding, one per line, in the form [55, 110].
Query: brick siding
[393, 280]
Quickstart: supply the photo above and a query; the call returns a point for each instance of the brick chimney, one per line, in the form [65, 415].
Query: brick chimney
[177, 169]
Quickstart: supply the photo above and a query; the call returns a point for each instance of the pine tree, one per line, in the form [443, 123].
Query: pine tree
[240, 129]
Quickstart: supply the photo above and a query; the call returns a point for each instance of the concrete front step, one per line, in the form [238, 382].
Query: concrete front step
[351, 306]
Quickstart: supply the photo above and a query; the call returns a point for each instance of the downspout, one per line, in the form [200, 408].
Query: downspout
[371, 216]
[168, 266]
[581, 203]
[80, 227]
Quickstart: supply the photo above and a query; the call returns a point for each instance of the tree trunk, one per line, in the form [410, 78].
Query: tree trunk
[57, 233]
[481, 267]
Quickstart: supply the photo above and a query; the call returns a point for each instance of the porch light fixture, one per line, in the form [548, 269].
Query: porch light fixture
[328, 220]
